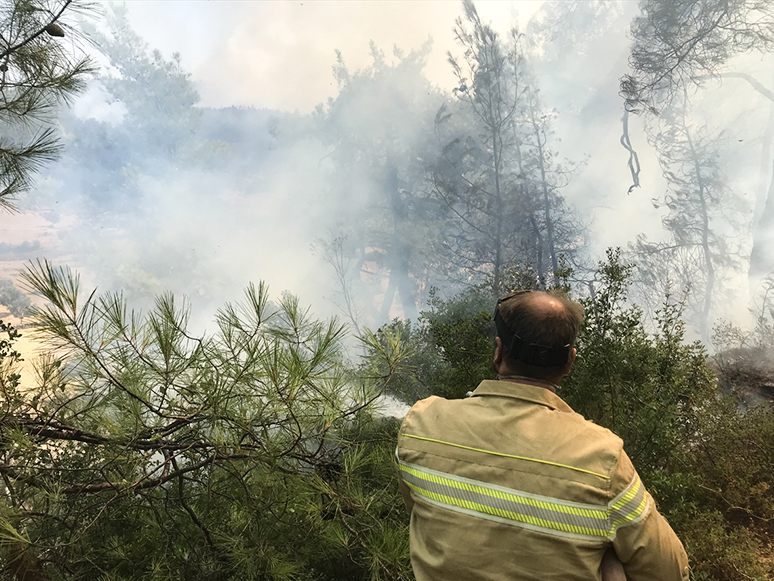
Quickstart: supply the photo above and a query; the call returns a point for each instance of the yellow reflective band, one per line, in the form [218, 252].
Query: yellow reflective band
[632, 515]
[542, 513]
[493, 453]
[590, 511]
[550, 515]
[628, 494]
[630, 505]
[508, 514]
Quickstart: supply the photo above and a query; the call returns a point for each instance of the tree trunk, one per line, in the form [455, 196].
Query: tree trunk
[389, 297]
[761, 262]
[499, 209]
[541, 269]
[406, 288]
[762, 257]
[763, 185]
[400, 250]
[546, 198]
[709, 285]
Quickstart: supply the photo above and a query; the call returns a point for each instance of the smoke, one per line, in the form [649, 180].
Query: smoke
[278, 55]
[236, 180]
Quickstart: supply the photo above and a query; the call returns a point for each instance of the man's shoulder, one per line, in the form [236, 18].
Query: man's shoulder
[595, 429]
[420, 409]
[435, 409]
[422, 405]
[513, 423]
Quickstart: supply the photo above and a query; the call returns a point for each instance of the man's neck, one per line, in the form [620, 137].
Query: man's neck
[549, 385]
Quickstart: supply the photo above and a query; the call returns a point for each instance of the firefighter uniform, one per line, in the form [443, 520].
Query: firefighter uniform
[511, 484]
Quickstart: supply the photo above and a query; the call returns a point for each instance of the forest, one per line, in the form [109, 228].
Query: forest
[173, 431]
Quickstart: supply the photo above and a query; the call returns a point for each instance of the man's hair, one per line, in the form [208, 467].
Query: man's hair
[530, 319]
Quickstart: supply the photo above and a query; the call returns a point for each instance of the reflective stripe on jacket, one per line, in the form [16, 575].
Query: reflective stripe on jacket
[512, 484]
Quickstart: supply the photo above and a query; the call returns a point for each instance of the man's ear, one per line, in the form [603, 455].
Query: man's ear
[570, 361]
[497, 361]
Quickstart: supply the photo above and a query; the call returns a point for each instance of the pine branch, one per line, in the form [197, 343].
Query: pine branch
[36, 34]
[142, 484]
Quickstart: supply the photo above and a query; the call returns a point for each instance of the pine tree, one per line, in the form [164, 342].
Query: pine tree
[38, 71]
[701, 253]
[145, 451]
[497, 177]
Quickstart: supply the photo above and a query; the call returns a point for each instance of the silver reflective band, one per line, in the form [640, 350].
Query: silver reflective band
[522, 509]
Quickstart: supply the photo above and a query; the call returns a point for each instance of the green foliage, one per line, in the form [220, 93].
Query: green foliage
[727, 512]
[37, 73]
[707, 460]
[497, 176]
[146, 452]
[447, 353]
[359, 510]
[461, 328]
[646, 388]
[9, 357]
[449, 350]
[422, 364]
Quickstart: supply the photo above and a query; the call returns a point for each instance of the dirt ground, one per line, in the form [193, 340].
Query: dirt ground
[748, 374]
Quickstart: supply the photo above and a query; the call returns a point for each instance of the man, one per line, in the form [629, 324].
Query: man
[511, 484]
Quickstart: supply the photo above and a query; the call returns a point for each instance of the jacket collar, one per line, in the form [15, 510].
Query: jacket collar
[524, 390]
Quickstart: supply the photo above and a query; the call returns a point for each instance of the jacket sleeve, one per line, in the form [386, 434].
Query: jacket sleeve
[406, 493]
[644, 542]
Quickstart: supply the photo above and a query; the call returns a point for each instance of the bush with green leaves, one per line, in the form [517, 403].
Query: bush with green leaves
[707, 460]
[449, 350]
[144, 452]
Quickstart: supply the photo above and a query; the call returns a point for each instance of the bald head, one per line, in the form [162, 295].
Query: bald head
[548, 319]
[543, 304]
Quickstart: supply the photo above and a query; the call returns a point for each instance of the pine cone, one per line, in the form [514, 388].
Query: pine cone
[54, 29]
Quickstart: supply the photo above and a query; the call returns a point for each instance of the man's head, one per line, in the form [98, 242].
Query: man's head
[536, 332]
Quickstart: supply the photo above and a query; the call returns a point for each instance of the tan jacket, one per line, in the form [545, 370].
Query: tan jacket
[511, 484]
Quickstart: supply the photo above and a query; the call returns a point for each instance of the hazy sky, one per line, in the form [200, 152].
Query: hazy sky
[279, 55]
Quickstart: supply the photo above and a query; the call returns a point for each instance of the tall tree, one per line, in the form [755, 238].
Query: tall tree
[380, 133]
[158, 93]
[702, 220]
[37, 73]
[681, 45]
[497, 175]
[476, 177]
[158, 125]
[557, 231]
[678, 43]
